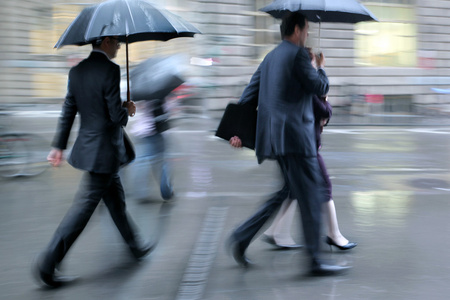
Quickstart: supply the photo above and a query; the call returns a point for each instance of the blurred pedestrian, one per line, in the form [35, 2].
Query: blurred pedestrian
[100, 149]
[278, 233]
[282, 88]
[151, 148]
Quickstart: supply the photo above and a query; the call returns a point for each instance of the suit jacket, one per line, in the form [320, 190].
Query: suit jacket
[94, 92]
[282, 87]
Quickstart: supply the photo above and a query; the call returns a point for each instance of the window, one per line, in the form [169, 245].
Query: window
[266, 31]
[390, 42]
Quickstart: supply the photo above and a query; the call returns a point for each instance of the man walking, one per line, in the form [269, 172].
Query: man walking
[100, 149]
[282, 88]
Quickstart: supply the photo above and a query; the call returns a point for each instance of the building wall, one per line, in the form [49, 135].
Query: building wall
[433, 17]
[227, 41]
[416, 83]
[29, 74]
[14, 80]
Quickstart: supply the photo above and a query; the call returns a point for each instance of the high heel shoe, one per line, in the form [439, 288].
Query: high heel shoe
[270, 240]
[349, 245]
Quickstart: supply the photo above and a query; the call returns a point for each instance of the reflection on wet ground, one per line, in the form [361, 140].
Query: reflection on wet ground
[390, 186]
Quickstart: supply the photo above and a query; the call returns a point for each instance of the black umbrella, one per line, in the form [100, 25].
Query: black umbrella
[130, 20]
[331, 11]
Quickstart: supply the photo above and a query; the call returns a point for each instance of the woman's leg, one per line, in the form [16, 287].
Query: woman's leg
[330, 210]
[280, 230]
[333, 226]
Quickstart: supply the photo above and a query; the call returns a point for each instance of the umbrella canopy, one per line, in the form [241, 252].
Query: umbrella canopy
[333, 11]
[156, 77]
[130, 20]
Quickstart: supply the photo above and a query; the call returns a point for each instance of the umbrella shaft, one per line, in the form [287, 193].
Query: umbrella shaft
[128, 72]
[320, 25]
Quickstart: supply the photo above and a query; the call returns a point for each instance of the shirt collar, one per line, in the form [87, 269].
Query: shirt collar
[100, 51]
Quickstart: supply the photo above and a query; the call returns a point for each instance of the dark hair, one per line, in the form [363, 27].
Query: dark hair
[97, 42]
[289, 21]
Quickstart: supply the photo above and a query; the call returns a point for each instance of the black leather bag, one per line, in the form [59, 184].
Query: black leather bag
[130, 154]
[239, 120]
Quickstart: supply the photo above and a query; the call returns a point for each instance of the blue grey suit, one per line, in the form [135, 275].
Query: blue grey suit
[282, 88]
[100, 149]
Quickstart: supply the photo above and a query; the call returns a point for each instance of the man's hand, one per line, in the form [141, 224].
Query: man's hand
[320, 60]
[131, 107]
[55, 157]
[323, 122]
[236, 142]
[312, 56]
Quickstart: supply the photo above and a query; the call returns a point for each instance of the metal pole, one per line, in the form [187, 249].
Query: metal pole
[128, 73]
[320, 24]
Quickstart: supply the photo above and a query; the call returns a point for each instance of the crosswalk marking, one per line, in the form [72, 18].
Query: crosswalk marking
[196, 274]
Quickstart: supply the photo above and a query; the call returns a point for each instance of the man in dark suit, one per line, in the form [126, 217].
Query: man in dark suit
[100, 149]
[282, 88]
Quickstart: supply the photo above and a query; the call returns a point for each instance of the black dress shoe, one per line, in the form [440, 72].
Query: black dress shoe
[238, 254]
[140, 253]
[240, 257]
[288, 246]
[268, 239]
[321, 269]
[349, 245]
[56, 281]
[53, 280]
[169, 196]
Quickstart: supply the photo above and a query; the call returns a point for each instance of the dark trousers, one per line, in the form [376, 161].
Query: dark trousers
[303, 181]
[325, 176]
[93, 188]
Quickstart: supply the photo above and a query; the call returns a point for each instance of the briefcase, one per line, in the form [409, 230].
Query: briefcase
[130, 154]
[239, 120]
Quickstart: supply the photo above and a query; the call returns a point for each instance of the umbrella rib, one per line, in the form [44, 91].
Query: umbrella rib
[94, 15]
[67, 31]
[131, 17]
[172, 20]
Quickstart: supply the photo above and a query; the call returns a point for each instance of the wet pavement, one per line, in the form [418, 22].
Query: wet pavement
[391, 187]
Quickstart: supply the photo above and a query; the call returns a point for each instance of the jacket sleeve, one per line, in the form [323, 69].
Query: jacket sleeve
[117, 113]
[251, 92]
[66, 119]
[312, 80]
[322, 109]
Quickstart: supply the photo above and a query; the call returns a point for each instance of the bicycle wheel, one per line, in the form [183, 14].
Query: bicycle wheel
[13, 155]
[37, 150]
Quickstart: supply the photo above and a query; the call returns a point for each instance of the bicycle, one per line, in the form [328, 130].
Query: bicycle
[21, 154]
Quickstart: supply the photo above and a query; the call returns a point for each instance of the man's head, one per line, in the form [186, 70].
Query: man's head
[109, 45]
[294, 28]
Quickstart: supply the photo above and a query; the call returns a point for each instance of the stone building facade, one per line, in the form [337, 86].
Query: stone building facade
[400, 60]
